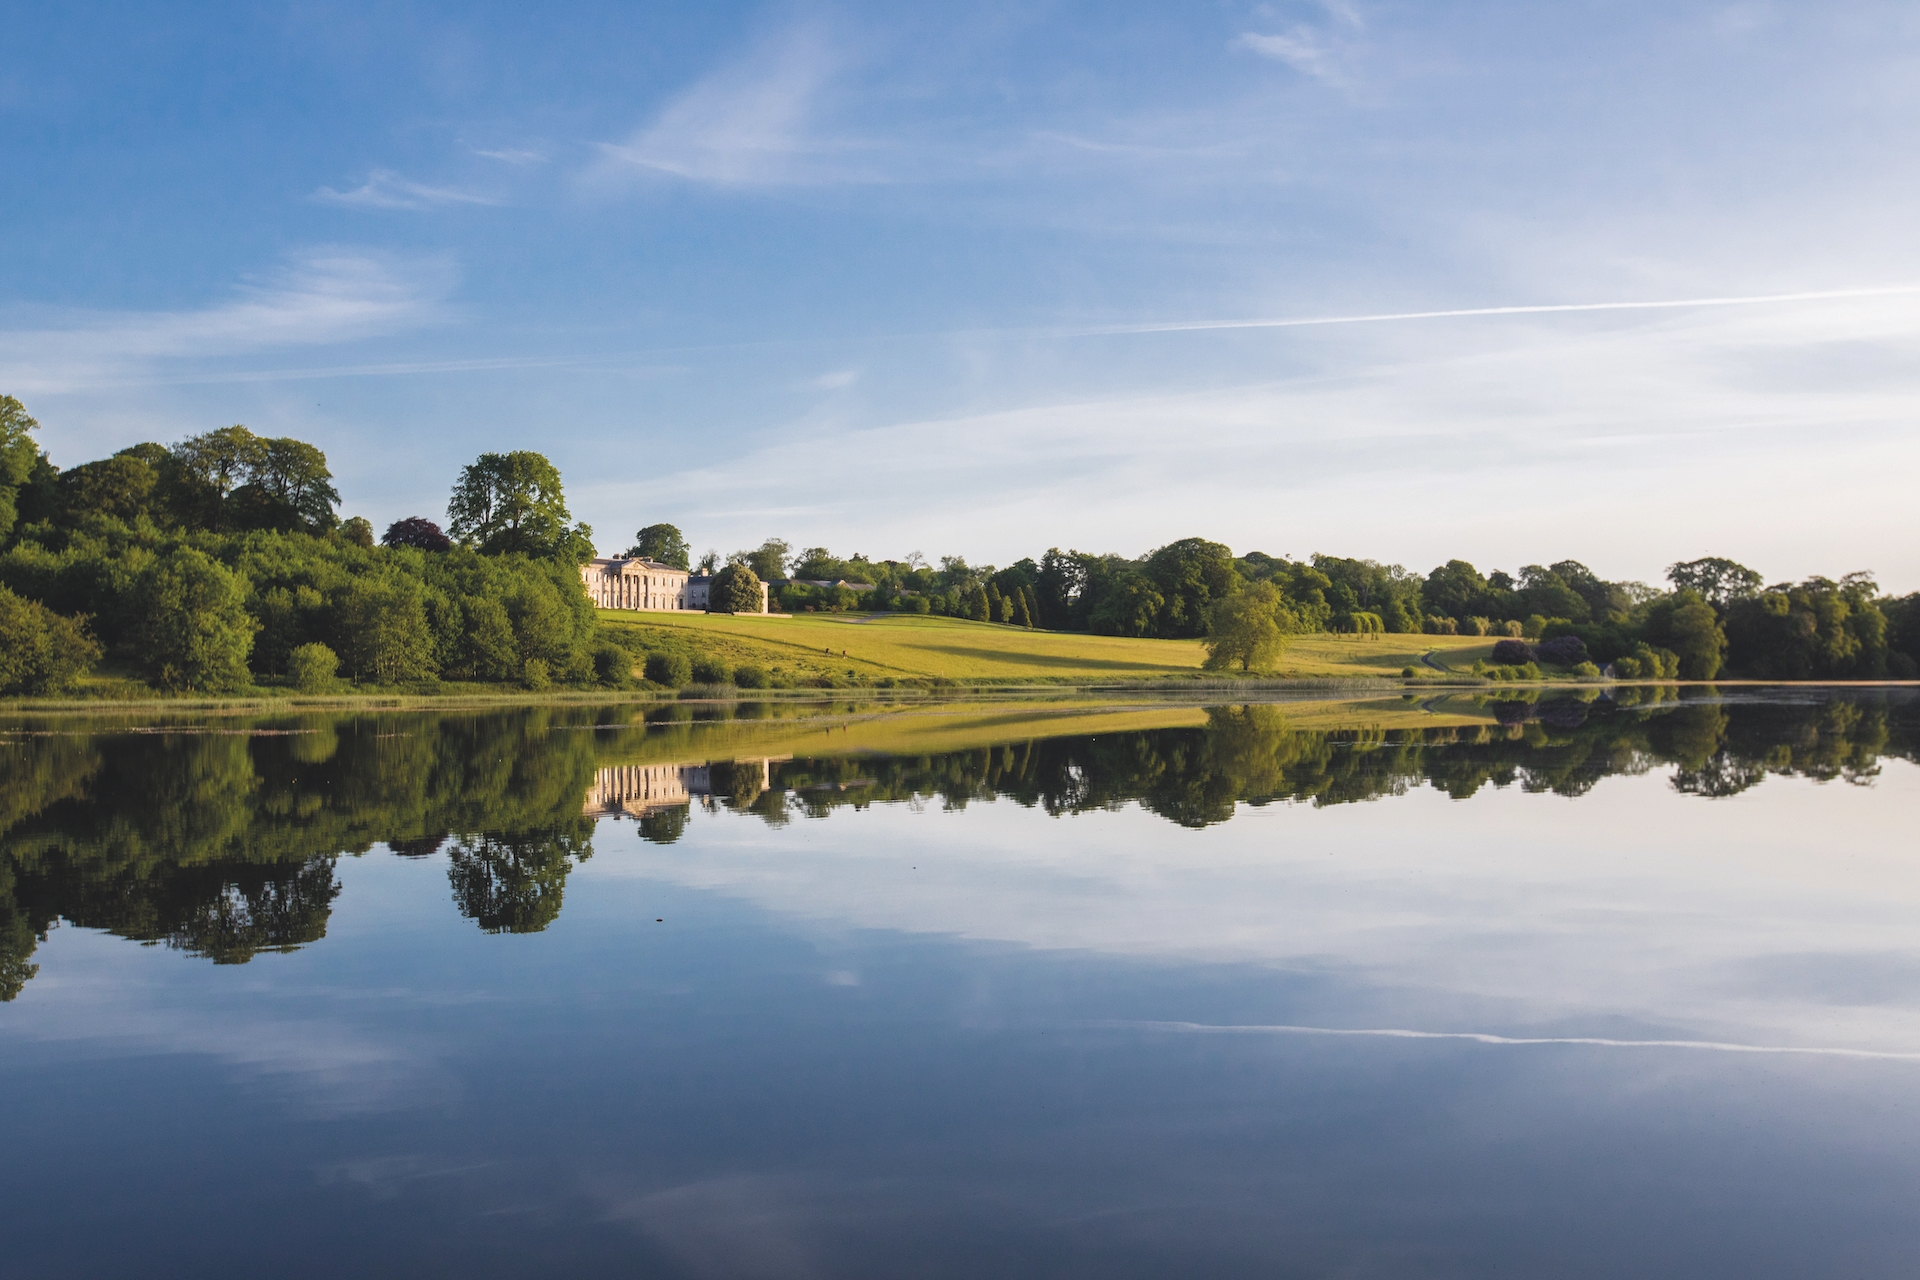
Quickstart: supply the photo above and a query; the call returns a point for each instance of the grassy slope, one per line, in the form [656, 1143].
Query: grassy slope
[909, 645]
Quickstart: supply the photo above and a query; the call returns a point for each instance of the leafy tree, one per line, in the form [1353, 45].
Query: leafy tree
[193, 629]
[1819, 629]
[1685, 623]
[357, 532]
[513, 883]
[735, 589]
[513, 502]
[40, 651]
[122, 486]
[220, 462]
[1247, 629]
[288, 487]
[979, 607]
[383, 629]
[768, 562]
[1022, 610]
[1455, 589]
[311, 667]
[1716, 580]
[661, 542]
[18, 454]
[1546, 593]
[709, 564]
[416, 531]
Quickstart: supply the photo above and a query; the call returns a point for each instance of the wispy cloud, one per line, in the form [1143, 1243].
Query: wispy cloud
[385, 189]
[836, 380]
[511, 155]
[322, 296]
[1300, 49]
[752, 123]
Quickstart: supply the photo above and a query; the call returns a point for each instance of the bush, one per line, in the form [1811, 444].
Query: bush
[612, 666]
[535, 676]
[710, 671]
[1512, 652]
[752, 677]
[40, 651]
[312, 668]
[670, 669]
[1562, 651]
[1534, 627]
[1587, 671]
[1408, 672]
[1509, 628]
[1479, 626]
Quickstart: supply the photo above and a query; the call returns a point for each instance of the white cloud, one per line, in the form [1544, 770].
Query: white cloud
[323, 296]
[836, 380]
[385, 189]
[753, 123]
[1300, 49]
[511, 155]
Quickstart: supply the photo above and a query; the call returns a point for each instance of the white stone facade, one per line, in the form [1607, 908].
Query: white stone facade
[620, 582]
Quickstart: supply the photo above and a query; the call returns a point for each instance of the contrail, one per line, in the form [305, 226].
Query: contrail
[1481, 1037]
[1182, 326]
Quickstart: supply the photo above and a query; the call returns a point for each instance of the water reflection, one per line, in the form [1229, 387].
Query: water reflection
[220, 839]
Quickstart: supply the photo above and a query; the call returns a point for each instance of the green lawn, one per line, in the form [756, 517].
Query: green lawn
[907, 645]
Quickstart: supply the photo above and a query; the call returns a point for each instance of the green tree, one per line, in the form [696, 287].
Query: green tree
[40, 651]
[1685, 623]
[219, 462]
[192, 629]
[1455, 590]
[1248, 629]
[18, 453]
[288, 487]
[383, 629]
[661, 542]
[121, 487]
[979, 606]
[311, 667]
[768, 561]
[1715, 579]
[508, 502]
[735, 589]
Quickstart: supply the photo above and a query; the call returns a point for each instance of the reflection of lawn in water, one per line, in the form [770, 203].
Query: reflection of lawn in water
[908, 645]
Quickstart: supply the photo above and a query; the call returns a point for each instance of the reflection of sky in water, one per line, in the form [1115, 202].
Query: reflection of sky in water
[921, 1042]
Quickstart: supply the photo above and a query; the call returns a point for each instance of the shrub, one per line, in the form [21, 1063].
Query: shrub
[1408, 672]
[534, 675]
[40, 651]
[612, 665]
[1587, 671]
[1512, 652]
[1562, 651]
[709, 671]
[1511, 628]
[670, 669]
[1627, 668]
[1534, 627]
[312, 668]
[1479, 626]
[752, 677]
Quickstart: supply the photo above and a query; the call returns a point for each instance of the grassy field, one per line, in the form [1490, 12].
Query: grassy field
[909, 646]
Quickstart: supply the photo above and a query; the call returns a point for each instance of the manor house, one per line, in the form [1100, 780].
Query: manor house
[636, 582]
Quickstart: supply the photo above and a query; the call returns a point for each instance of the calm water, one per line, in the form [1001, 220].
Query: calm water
[1453, 989]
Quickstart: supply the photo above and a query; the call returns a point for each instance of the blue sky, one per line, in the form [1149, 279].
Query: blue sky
[976, 279]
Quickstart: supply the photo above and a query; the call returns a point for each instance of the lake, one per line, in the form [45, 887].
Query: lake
[1619, 985]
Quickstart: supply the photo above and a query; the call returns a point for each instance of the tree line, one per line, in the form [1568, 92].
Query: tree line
[221, 563]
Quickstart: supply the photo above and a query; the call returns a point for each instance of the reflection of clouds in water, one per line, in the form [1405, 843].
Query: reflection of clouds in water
[1482, 1037]
[1656, 915]
[96, 1006]
[743, 1225]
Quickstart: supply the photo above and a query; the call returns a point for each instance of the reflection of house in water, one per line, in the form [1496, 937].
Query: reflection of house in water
[636, 790]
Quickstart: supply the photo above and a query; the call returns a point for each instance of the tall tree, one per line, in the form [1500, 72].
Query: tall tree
[218, 463]
[1718, 580]
[768, 561]
[193, 630]
[292, 476]
[18, 453]
[508, 502]
[1247, 629]
[662, 542]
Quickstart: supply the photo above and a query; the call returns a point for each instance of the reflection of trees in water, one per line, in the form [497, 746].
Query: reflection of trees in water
[223, 845]
[1249, 755]
[514, 883]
